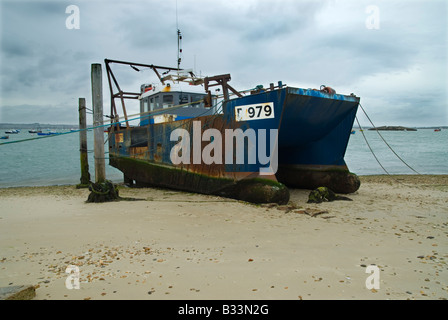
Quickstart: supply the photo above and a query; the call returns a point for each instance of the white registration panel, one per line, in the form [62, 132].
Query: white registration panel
[254, 111]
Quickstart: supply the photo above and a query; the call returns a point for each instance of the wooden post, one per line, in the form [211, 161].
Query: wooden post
[85, 175]
[98, 133]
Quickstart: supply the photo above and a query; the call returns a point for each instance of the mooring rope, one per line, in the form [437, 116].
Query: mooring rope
[162, 111]
[387, 144]
[371, 150]
[376, 158]
[145, 114]
[140, 116]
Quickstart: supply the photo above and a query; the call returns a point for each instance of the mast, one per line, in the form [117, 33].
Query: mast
[179, 42]
[179, 49]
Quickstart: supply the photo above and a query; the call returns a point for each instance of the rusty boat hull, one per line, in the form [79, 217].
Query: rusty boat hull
[312, 128]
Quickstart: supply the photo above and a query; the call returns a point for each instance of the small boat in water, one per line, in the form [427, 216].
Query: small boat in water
[4, 137]
[46, 133]
[436, 130]
[13, 131]
[199, 142]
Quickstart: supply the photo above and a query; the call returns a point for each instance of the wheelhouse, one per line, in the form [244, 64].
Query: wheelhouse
[154, 102]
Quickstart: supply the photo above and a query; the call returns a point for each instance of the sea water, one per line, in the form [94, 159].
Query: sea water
[56, 160]
[424, 151]
[52, 160]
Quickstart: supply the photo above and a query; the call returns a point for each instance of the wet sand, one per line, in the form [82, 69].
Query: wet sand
[177, 245]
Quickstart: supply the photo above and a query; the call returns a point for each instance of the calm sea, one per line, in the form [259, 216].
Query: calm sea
[55, 160]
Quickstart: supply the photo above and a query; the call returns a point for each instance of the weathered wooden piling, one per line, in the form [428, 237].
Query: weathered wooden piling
[98, 131]
[85, 175]
[102, 190]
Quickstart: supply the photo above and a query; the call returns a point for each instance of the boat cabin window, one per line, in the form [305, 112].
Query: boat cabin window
[168, 100]
[195, 98]
[164, 100]
[156, 103]
[183, 98]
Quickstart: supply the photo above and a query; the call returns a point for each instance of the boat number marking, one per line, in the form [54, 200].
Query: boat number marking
[254, 111]
[119, 138]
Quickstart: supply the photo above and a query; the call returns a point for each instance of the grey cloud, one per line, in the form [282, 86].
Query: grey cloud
[268, 20]
[63, 114]
[302, 43]
[13, 47]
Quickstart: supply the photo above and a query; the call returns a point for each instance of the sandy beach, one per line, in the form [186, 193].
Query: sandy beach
[165, 244]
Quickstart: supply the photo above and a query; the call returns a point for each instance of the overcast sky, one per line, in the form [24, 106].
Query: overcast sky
[393, 54]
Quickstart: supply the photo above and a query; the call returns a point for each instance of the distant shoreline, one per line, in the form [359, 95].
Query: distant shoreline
[394, 128]
[36, 125]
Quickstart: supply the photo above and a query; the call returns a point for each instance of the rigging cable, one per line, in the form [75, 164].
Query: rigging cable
[142, 115]
[371, 150]
[387, 144]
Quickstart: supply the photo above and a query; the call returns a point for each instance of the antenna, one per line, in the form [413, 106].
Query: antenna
[179, 42]
[179, 48]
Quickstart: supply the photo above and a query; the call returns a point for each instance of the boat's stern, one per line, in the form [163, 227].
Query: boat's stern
[305, 133]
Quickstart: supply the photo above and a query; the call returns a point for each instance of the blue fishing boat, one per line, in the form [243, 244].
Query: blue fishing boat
[250, 145]
[4, 137]
[49, 133]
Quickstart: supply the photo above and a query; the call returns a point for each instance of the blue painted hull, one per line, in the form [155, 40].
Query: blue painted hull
[314, 127]
[46, 133]
[313, 132]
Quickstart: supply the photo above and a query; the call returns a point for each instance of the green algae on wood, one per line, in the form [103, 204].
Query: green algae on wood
[103, 192]
[256, 190]
[324, 194]
[339, 180]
